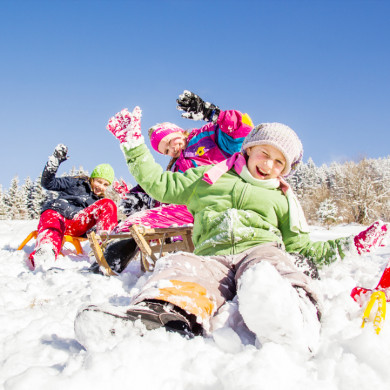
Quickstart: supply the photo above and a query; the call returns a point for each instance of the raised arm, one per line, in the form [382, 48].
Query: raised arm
[232, 125]
[49, 180]
[163, 186]
[194, 107]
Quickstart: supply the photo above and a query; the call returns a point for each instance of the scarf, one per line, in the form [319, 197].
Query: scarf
[297, 218]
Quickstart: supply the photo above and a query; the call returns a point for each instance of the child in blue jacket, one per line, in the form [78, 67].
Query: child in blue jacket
[79, 206]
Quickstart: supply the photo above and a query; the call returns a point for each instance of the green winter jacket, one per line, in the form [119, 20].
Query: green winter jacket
[231, 215]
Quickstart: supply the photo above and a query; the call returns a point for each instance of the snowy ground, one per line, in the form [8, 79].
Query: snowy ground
[38, 349]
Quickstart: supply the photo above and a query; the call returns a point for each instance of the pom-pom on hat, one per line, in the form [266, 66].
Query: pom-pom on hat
[247, 120]
[282, 138]
[104, 171]
[161, 130]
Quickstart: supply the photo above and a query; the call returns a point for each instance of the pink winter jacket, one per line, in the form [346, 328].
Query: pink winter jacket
[213, 143]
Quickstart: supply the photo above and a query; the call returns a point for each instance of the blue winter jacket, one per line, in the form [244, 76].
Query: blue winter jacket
[75, 193]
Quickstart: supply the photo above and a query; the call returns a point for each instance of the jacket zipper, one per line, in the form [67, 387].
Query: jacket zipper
[242, 196]
[232, 235]
[238, 207]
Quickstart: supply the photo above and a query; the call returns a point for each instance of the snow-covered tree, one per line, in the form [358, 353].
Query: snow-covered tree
[3, 207]
[28, 195]
[362, 192]
[80, 171]
[39, 197]
[327, 213]
[16, 201]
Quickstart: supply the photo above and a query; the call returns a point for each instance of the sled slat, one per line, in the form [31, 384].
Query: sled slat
[151, 242]
[99, 256]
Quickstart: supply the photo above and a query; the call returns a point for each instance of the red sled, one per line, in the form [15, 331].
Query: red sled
[358, 293]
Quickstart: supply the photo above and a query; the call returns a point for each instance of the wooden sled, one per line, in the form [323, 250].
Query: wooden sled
[151, 242]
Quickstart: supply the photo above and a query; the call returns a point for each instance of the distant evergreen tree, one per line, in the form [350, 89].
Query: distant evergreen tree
[311, 178]
[16, 201]
[82, 172]
[39, 197]
[3, 208]
[334, 172]
[305, 180]
[322, 175]
[76, 172]
[28, 195]
[327, 213]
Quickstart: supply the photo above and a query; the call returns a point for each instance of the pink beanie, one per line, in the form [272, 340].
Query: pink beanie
[161, 130]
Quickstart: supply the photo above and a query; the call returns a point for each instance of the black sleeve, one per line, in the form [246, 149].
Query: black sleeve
[50, 182]
[135, 202]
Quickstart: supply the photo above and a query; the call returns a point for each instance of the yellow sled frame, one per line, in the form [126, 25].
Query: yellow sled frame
[380, 314]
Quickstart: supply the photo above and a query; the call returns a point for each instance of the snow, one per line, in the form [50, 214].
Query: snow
[279, 316]
[38, 348]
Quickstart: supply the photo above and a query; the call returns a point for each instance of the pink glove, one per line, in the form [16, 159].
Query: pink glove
[120, 187]
[126, 127]
[373, 237]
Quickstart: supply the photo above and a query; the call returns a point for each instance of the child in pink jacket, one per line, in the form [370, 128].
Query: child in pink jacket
[214, 142]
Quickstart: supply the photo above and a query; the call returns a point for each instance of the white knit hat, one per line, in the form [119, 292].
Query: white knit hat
[281, 137]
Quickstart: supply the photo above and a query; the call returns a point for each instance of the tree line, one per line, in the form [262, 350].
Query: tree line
[351, 192]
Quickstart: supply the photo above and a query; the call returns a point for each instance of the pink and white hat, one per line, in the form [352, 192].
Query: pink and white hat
[161, 130]
[281, 137]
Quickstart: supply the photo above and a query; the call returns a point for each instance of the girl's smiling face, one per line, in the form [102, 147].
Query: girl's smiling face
[172, 144]
[99, 185]
[265, 162]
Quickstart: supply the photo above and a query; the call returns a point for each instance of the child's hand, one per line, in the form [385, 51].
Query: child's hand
[195, 108]
[60, 153]
[126, 127]
[373, 237]
[120, 187]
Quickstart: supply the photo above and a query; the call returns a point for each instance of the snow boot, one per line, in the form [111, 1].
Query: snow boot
[42, 258]
[94, 324]
[118, 254]
[155, 314]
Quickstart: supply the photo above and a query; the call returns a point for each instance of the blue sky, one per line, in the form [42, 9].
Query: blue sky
[321, 67]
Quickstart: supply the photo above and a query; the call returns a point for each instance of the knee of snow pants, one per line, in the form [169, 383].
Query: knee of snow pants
[51, 229]
[200, 285]
[103, 214]
[277, 257]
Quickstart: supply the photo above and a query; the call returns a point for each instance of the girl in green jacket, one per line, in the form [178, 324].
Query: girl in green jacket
[246, 220]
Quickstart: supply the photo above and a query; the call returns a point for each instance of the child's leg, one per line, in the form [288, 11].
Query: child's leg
[278, 259]
[277, 302]
[51, 228]
[102, 213]
[198, 285]
[181, 295]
